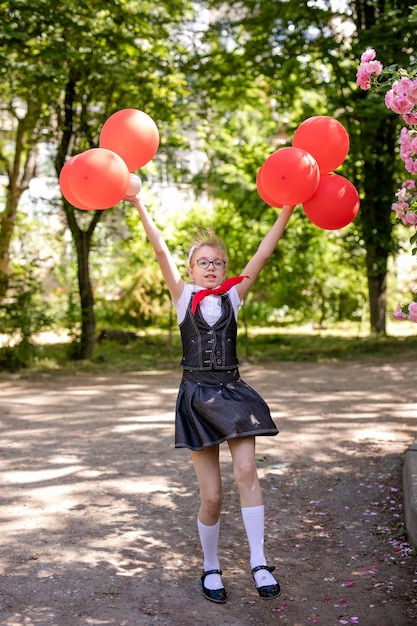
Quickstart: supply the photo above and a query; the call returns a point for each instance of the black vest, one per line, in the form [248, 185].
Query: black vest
[209, 347]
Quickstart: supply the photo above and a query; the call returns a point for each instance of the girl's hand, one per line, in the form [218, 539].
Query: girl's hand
[134, 188]
[131, 199]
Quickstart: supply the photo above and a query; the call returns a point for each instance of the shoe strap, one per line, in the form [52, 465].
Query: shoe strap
[211, 571]
[270, 568]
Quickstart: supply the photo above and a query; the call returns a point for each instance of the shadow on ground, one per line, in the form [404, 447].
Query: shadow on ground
[98, 509]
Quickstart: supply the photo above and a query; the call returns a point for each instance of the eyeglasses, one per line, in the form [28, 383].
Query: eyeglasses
[218, 264]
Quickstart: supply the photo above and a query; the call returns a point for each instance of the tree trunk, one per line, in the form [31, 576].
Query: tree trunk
[379, 129]
[82, 240]
[6, 233]
[20, 169]
[88, 321]
[378, 190]
[377, 289]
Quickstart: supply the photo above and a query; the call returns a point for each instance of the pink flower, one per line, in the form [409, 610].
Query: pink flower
[408, 149]
[410, 166]
[397, 102]
[398, 313]
[368, 55]
[409, 184]
[363, 78]
[412, 311]
[410, 219]
[410, 119]
[402, 97]
[365, 73]
[410, 88]
[368, 68]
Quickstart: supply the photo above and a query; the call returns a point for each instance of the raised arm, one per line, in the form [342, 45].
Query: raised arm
[167, 264]
[264, 251]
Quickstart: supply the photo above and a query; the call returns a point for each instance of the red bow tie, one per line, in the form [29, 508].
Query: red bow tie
[223, 288]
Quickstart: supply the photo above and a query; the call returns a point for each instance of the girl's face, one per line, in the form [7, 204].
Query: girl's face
[208, 267]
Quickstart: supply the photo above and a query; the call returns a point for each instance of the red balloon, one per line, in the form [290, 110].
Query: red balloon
[133, 135]
[290, 176]
[65, 188]
[262, 192]
[335, 203]
[98, 178]
[325, 139]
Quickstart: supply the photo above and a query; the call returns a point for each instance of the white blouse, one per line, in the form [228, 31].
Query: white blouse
[210, 307]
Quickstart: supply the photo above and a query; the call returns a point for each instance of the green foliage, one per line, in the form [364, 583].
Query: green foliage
[239, 87]
[312, 274]
[307, 65]
[74, 64]
[413, 241]
[129, 288]
[23, 314]
[13, 359]
[156, 350]
[322, 346]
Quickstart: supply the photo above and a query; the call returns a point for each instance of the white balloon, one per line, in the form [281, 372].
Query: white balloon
[134, 185]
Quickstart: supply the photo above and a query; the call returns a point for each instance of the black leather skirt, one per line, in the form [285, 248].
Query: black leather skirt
[216, 405]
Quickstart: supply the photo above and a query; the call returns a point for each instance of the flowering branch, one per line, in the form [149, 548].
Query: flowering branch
[401, 98]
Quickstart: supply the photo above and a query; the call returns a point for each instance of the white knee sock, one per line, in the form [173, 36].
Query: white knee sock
[254, 520]
[209, 538]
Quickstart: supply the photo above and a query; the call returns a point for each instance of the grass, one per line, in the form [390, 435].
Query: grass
[155, 350]
[322, 347]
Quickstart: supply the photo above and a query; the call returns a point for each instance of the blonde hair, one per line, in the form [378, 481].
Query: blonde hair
[207, 237]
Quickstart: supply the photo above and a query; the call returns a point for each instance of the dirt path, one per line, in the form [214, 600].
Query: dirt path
[98, 518]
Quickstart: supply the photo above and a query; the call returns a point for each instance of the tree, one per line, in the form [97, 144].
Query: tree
[24, 92]
[311, 272]
[377, 127]
[307, 55]
[19, 166]
[81, 61]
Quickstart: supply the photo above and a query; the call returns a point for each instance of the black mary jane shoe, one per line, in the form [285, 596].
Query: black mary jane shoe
[267, 591]
[214, 595]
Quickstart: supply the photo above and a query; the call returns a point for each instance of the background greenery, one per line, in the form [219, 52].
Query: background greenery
[156, 349]
[235, 87]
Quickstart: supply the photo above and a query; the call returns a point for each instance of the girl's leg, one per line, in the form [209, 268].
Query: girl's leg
[253, 515]
[245, 472]
[207, 469]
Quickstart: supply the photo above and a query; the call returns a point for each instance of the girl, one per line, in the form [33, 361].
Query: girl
[214, 404]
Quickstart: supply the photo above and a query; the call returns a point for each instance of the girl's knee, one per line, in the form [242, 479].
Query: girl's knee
[212, 502]
[245, 472]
